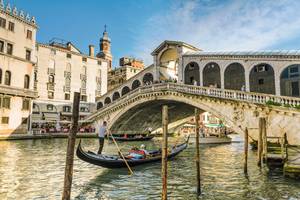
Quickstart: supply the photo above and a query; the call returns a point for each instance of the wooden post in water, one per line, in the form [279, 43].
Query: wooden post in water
[259, 143]
[197, 152]
[246, 137]
[70, 149]
[264, 138]
[164, 160]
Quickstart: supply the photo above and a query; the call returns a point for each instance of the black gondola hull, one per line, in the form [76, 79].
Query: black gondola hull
[122, 139]
[114, 162]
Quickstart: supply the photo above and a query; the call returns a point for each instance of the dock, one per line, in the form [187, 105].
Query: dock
[292, 163]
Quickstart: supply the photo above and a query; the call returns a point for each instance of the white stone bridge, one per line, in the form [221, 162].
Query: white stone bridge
[141, 108]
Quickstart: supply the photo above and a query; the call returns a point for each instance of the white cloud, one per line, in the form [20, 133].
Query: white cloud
[221, 25]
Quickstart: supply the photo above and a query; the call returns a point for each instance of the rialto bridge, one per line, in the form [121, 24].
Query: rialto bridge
[237, 87]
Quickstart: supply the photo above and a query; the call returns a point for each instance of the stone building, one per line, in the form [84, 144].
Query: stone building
[62, 70]
[17, 61]
[128, 68]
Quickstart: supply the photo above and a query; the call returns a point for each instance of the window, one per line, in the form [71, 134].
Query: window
[69, 55]
[50, 95]
[5, 120]
[26, 81]
[83, 98]
[25, 104]
[6, 102]
[0, 76]
[50, 107]
[7, 78]
[67, 108]
[51, 79]
[29, 34]
[11, 26]
[28, 55]
[99, 62]
[84, 109]
[67, 96]
[84, 59]
[2, 22]
[1, 46]
[24, 120]
[260, 81]
[9, 49]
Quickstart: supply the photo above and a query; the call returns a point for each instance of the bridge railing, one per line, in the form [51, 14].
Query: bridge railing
[252, 97]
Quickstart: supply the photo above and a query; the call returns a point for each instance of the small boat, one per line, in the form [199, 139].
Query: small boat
[114, 161]
[213, 140]
[134, 138]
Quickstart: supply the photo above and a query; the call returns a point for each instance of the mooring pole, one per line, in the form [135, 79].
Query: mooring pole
[164, 169]
[197, 152]
[259, 143]
[246, 151]
[264, 137]
[70, 149]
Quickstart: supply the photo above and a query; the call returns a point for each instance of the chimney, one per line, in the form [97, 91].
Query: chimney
[91, 50]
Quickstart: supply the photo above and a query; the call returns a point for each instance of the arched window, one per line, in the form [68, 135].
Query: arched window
[107, 101]
[7, 78]
[51, 79]
[99, 105]
[68, 67]
[26, 81]
[192, 74]
[290, 81]
[116, 95]
[234, 77]
[136, 84]
[148, 79]
[262, 79]
[125, 90]
[212, 75]
[0, 76]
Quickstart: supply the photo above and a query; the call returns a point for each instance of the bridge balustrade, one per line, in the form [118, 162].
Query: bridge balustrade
[212, 92]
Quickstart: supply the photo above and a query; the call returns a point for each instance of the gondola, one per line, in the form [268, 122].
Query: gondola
[127, 139]
[107, 161]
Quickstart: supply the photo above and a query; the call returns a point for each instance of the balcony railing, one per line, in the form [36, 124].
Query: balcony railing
[67, 74]
[67, 88]
[9, 90]
[51, 71]
[50, 86]
[83, 91]
[83, 77]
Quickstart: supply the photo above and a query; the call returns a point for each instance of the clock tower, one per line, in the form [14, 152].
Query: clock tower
[105, 52]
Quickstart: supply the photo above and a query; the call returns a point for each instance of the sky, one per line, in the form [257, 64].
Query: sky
[136, 27]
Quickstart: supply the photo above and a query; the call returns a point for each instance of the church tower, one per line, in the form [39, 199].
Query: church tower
[105, 52]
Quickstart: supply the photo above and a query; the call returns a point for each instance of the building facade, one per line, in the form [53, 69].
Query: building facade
[128, 68]
[62, 70]
[17, 63]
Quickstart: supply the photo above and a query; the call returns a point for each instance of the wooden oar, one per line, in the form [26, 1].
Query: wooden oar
[131, 172]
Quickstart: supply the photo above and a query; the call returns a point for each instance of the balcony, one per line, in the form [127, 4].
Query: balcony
[67, 74]
[50, 86]
[51, 71]
[83, 77]
[67, 88]
[83, 91]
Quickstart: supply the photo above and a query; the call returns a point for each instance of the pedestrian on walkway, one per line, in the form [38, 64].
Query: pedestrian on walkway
[101, 135]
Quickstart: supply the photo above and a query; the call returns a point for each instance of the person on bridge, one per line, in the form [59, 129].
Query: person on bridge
[101, 135]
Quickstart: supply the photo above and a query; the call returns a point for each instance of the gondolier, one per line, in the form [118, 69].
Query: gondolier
[101, 134]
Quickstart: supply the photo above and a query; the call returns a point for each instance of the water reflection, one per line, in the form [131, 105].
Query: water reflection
[34, 169]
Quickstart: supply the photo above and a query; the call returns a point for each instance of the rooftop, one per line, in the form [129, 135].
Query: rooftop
[245, 53]
[170, 42]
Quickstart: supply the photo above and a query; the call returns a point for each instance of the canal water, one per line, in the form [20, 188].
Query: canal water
[34, 169]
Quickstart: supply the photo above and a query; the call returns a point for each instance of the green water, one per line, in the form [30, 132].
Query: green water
[34, 169]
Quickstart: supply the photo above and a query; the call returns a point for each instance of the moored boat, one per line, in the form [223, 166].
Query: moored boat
[132, 138]
[115, 161]
[212, 139]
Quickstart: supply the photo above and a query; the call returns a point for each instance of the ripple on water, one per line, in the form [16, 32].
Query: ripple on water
[34, 169]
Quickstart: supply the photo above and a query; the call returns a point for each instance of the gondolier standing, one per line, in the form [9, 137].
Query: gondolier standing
[101, 135]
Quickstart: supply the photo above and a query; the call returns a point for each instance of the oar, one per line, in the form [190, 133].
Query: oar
[131, 172]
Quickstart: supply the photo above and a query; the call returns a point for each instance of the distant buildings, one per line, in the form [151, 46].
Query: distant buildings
[128, 68]
[41, 78]
[17, 63]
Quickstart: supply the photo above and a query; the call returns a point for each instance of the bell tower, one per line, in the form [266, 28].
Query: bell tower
[105, 45]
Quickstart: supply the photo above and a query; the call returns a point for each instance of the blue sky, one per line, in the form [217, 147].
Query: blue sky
[136, 27]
